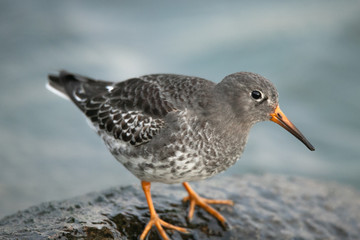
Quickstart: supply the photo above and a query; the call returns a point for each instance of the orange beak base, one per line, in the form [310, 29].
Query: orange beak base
[279, 117]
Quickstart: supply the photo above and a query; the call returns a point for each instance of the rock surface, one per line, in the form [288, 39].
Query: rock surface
[266, 207]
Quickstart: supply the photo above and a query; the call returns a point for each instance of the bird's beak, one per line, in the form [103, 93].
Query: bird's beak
[279, 117]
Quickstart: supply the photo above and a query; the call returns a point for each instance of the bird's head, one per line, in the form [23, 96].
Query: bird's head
[254, 98]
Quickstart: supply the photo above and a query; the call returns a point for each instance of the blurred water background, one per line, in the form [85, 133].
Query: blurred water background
[309, 49]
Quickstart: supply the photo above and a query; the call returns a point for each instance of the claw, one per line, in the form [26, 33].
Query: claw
[159, 224]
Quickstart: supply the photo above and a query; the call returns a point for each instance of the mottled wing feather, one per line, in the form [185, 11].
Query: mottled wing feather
[130, 111]
[133, 110]
[133, 127]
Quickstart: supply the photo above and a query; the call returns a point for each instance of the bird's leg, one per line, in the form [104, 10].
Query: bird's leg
[195, 199]
[154, 218]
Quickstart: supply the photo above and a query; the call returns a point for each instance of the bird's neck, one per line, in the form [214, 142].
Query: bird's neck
[229, 126]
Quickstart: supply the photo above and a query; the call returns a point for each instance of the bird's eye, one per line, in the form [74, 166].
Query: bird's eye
[256, 95]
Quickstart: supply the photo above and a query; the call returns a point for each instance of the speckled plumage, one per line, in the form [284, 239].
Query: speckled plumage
[171, 128]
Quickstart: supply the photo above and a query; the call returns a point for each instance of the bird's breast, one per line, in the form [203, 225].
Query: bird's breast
[189, 150]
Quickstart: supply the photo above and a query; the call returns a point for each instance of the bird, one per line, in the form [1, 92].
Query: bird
[172, 128]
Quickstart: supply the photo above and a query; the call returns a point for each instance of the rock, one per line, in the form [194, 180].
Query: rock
[266, 207]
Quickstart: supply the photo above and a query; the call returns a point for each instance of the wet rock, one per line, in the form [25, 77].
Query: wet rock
[266, 207]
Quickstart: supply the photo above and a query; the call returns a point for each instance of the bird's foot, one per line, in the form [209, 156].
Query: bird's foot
[195, 199]
[154, 218]
[159, 224]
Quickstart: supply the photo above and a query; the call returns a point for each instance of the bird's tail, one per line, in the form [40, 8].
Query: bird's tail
[75, 87]
[56, 85]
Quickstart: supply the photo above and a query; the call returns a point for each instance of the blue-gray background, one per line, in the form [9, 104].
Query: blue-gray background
[309, 49]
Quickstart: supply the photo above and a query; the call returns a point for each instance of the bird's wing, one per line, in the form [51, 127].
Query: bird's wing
[131, 111]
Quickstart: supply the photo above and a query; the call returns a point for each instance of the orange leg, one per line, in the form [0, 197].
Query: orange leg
[154, 218]
[195, 199]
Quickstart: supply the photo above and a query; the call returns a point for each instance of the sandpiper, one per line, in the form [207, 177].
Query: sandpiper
[173, 128]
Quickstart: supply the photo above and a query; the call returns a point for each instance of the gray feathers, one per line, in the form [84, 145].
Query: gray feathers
[171, 128]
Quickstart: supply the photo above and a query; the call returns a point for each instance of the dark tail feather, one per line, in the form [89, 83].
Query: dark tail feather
[60, 82]
[56, 84]
[76, 87]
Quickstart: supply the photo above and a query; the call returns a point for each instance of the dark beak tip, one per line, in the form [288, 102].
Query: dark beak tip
[309, 145]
